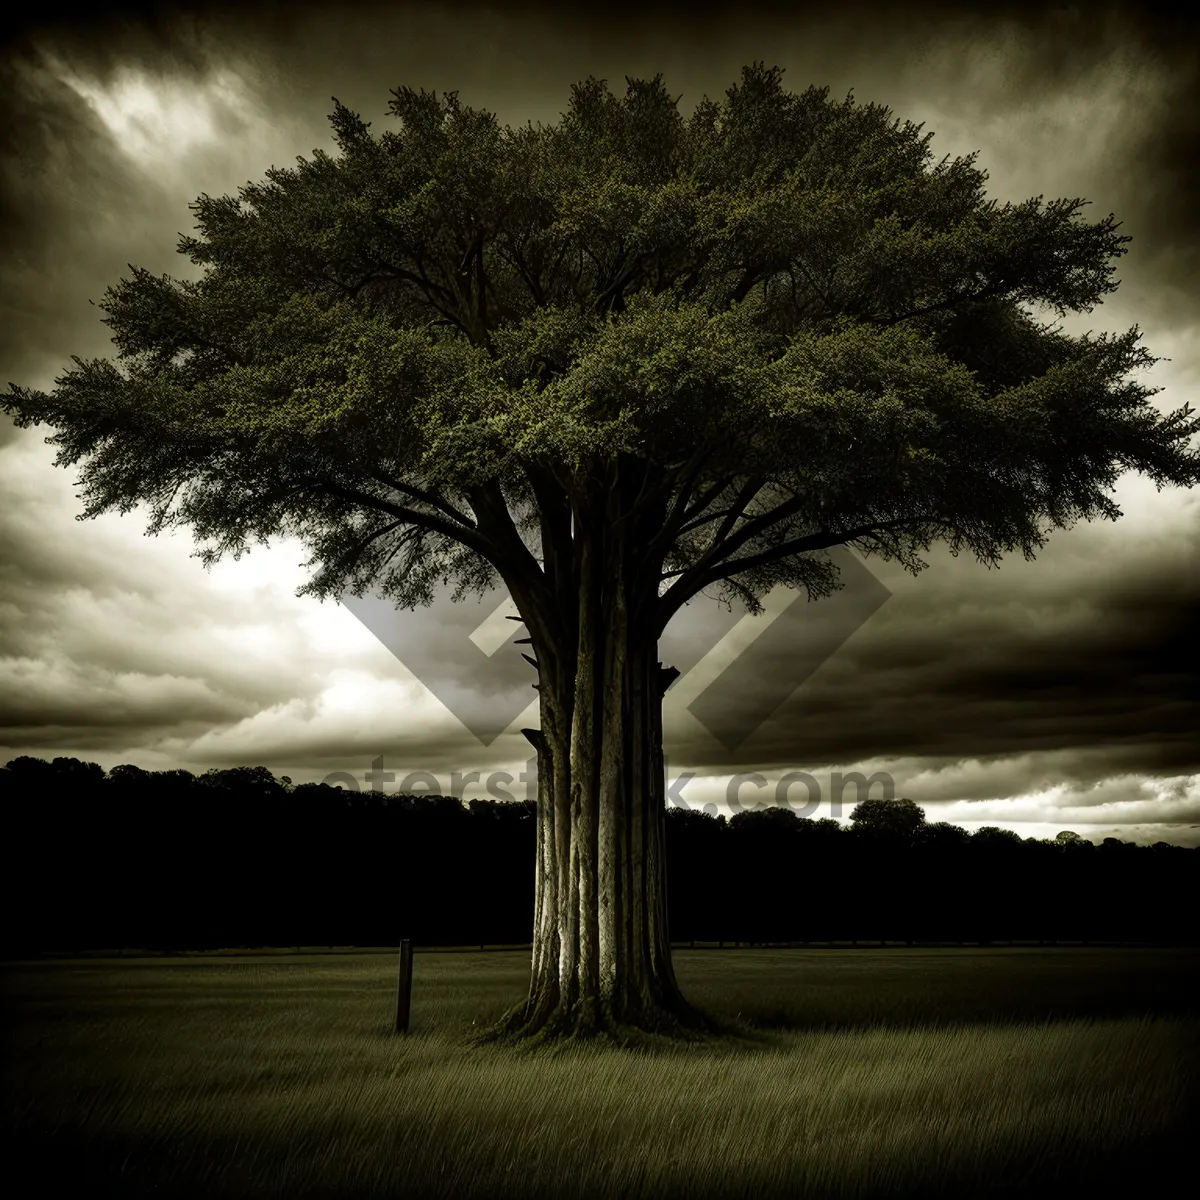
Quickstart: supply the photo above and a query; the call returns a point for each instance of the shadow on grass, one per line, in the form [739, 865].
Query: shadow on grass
[765, 992]
[69, 1165]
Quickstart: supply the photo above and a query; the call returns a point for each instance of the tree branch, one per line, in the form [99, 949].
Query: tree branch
[699, 521]
[746, 493]
[426, 284]
[497, 526]
[553, 513]
[812, 283]
[680, 593]
[430, 498]
[469, 537]
[721, 549]
[996, 288]
[351, 556]
[705, 498]
[683, 480]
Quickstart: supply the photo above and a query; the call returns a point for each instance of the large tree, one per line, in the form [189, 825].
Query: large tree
[614, 362]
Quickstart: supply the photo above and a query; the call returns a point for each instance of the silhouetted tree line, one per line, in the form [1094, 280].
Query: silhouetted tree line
[892, 876]
[237, 857]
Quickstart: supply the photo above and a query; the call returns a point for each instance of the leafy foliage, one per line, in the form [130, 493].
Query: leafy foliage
[894, 819]
[790, 325]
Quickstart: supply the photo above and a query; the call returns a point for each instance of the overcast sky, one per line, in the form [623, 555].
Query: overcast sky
[1039, 696]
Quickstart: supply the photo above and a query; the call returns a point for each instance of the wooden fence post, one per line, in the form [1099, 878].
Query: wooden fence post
[404, 987]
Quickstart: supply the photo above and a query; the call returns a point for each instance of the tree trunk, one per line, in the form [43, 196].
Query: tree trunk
[601, 948]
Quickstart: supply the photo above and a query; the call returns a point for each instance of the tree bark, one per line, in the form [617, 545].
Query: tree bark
[601, 946]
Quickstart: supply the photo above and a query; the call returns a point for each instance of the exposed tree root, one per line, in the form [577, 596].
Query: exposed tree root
[596, 1025]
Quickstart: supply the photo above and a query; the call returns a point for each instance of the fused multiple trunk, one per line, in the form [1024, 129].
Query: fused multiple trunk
[601, 949]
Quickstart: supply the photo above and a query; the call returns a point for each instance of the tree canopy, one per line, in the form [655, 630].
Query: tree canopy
[413, 353]
[893, 819]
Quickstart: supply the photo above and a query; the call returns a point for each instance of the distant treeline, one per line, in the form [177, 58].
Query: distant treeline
[171, 860]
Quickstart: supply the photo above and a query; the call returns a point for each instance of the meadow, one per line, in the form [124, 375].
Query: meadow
[883, 1072]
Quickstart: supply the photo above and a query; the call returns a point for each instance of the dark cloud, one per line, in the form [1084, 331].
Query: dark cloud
[1091, 656]
[520, 60]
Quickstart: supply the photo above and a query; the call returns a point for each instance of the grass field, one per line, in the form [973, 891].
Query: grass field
[860, 1073]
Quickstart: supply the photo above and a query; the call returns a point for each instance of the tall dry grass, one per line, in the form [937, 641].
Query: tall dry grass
[279, 1077]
